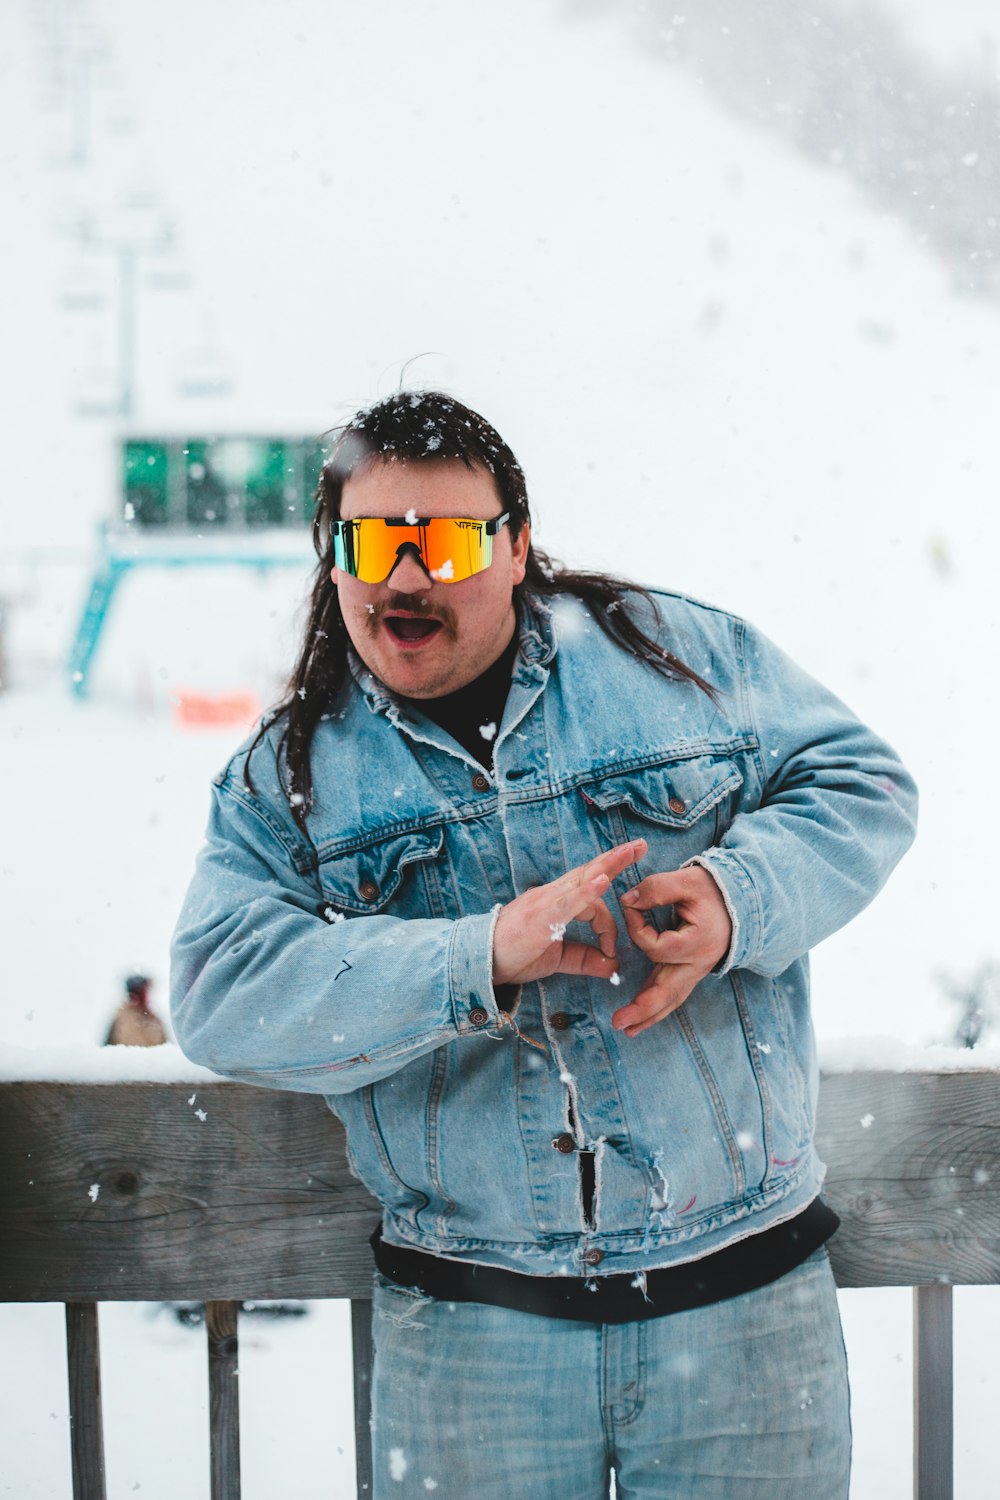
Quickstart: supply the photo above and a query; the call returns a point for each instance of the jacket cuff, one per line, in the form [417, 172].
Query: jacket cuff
[470, 973]
[740, 895]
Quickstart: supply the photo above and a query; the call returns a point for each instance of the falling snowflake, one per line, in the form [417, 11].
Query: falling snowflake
[93, 1191]
[192, 1098]
[616, 978]
[201, 1115]
[488, 730]
[558, 931]
[867, 1120]
[397, 1465]
[446, 570]
[411, 517]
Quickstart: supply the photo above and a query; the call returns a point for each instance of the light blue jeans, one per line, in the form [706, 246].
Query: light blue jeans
[743, 1400]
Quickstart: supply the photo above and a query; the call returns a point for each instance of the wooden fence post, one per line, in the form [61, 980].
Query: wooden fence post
[361, 1338]
[83, 1354]
[224, 1399]
[933, 1402]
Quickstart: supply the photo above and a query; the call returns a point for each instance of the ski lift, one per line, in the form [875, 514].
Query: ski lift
[169, 277]
[101, 394]
[138, 199]
[83, 290]
[121, 126]
[72, 220]
[203, 374]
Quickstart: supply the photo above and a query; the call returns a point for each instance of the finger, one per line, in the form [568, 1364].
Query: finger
[675, 946]
[604, 927]
[664, 992]
[663, 888]
[571, 900]
[582, 958]
[610, 863]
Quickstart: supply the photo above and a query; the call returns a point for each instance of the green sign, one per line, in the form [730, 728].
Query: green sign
[209, 483]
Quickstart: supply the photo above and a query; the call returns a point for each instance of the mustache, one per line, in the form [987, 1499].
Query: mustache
[411, 604]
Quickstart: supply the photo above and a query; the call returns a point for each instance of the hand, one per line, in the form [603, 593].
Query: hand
[682, 957]
[528, 940]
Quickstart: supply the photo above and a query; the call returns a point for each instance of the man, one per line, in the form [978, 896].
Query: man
[522, 876]
[135, 1023]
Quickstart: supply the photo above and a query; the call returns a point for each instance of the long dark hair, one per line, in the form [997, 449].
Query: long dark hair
[410, 427]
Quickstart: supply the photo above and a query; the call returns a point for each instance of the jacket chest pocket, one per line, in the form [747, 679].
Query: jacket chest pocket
[398, 875]
[680, 807]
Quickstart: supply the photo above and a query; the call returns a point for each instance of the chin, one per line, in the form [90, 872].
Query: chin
[417, 683]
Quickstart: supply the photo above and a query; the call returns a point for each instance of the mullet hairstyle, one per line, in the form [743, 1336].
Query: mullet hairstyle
[416, 427]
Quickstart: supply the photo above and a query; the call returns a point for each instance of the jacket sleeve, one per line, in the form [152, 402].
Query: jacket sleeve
[835, 811]
[264, 989]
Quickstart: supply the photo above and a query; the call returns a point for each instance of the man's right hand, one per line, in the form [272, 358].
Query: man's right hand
[528, 941]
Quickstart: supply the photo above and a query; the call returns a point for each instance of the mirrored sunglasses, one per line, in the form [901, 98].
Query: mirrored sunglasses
[450, 548]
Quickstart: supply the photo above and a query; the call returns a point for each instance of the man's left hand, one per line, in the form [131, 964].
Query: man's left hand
[683, 956]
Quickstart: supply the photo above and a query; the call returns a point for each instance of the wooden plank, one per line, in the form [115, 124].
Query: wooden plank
[363, 1350]
[223, 1399]
[83, 1352]
[914, 1173]
[933, 1394]
[122, 1191]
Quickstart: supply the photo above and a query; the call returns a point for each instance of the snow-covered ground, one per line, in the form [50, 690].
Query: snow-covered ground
[684, 330]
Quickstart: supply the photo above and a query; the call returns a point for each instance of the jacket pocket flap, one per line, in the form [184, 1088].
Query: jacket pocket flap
[365, 879]
[676, 794]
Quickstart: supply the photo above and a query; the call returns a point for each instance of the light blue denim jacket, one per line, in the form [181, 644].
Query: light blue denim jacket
[356, 962]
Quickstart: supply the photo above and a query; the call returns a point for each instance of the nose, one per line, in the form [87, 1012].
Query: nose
[409, 575]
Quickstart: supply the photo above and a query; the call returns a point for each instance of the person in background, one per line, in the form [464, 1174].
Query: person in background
[135, 1023]
[522, 876]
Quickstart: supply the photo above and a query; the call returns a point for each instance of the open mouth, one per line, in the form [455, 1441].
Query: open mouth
[409, 629]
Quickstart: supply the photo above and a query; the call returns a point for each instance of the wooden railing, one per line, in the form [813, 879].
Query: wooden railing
[120, 1192]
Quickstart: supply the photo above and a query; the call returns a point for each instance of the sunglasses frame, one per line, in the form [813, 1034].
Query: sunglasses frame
[344, 550]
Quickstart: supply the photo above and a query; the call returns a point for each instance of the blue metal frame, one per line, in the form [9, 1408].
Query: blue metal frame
[112, 566]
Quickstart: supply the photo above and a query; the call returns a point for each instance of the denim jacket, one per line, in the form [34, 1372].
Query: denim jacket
[355, 961]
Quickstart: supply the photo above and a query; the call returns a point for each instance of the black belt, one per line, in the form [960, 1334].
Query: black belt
[620, 1298]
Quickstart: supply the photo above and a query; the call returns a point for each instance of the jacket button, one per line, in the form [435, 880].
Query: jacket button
[560, 1021]
[676, 805]
[481, 782]
[369, 890]
[564, 1143]
[478, 1016]
[593, 1257]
